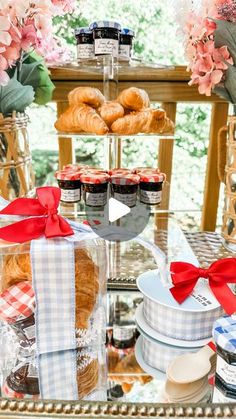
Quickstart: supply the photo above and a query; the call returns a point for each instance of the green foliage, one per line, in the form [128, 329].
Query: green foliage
[33, 72]
[15, 97]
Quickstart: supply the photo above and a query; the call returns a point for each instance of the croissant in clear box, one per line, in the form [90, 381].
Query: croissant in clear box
[17, 268]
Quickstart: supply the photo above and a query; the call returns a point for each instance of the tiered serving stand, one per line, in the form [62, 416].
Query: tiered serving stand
[127, 260]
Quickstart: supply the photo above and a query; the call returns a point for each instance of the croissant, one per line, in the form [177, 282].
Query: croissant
[67, 121]
[89, 120]
[88, 95]
[134, 99]
[110, 112]
[147, 121]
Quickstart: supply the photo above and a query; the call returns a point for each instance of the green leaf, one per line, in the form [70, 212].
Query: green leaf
[35, 73]
[230, 82]
[15, 97]
[222, 92]
[225, 34]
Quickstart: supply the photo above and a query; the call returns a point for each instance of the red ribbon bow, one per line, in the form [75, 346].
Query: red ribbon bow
[48, 222]
[185, 276]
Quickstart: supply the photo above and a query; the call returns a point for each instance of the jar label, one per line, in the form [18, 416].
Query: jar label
[123, 333]
[106, 46]
[85, 51]
[30, 332]
[219, 397]
[126, 199]
[96, 199]
[226, 371]
[125, 52]
[70, 195]
[150, 197]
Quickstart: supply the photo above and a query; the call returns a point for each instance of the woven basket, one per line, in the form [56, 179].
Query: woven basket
[16, 172]
[229, 216]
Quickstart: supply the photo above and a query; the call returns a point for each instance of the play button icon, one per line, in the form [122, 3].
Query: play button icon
[116, 221]
[117, 210]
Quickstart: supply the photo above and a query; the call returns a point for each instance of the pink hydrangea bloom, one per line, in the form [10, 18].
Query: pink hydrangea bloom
[27, 25]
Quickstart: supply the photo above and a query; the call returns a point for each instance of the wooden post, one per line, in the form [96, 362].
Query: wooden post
[65, 144]
[212, 183]
[165, 160]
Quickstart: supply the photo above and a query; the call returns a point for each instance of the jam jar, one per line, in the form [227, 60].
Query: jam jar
[106, 37]
[95, 187]
[224, 333]
[125, 44]
[70, 185]
[85, 43]
[19, 316]
[24, 378]
[151, 188]
[124, 188]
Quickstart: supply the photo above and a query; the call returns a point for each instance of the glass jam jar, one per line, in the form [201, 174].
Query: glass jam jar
[106, 37]
[19, 316]
[85, 43]
[224, 333]
[70, 185]
[124, 188]
[125, 44]
[95, 187]
[24, 378]
[151, 187]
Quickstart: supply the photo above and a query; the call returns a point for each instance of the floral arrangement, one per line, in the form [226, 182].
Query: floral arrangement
[209, 28]
[27, 42]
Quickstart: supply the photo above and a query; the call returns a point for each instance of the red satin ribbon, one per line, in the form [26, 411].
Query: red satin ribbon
[185, 276]
[47, 222]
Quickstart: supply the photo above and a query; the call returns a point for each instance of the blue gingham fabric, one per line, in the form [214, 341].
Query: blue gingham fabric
[105, 24]
[224, 333]
[179, 324]
[53, 266]
[159, 355]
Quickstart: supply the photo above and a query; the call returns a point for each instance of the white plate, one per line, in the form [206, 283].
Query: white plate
[159, 375]
[154, 335]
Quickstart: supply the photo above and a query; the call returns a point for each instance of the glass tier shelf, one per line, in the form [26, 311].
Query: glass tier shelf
[112, 136]
[97, 64]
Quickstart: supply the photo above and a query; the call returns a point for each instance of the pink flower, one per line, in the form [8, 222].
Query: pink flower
[64, 6]
[4, 78]
[5, 37]
[43, 25]
[28, 37]
[207, 82]
[220, 55]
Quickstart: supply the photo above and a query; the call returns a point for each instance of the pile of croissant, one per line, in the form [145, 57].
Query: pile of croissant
[129, 114]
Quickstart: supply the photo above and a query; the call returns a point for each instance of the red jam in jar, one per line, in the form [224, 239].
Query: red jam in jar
[95, 187]
[124, 188]
[151, 188]
[70, 185]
